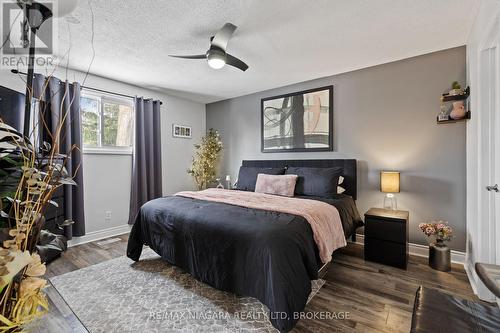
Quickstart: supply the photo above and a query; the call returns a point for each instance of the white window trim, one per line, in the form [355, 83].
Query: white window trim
[108, 150]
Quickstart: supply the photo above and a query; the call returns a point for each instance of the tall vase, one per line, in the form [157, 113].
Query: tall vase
[440, 256]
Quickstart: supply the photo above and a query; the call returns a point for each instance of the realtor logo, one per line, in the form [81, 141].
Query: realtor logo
[16, 36]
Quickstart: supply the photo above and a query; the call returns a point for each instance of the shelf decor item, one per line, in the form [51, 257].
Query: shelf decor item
[454, 105]
[389, 184]
[439, 252]
[456, 89]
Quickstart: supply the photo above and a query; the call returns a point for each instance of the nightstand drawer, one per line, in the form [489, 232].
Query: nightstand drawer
[386, 230]
[387, 253]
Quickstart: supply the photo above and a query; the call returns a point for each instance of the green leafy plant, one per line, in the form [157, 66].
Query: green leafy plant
[206, 160]
[455, 85]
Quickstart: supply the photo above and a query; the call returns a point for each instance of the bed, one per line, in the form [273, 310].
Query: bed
[269, 255]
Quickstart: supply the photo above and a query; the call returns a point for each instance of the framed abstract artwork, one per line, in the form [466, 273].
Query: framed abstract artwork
[298, 122]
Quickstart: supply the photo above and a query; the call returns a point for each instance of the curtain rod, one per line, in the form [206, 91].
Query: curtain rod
[15, 71]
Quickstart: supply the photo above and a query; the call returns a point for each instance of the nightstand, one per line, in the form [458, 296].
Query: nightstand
[386, 236]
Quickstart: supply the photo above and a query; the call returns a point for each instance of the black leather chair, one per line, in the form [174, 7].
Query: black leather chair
[437, 312]
[490, 275]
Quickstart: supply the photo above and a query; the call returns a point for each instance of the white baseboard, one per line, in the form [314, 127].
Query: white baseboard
[98, 235]
[457, 257]
[471, 274]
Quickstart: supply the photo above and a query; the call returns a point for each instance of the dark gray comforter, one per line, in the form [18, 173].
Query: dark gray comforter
[267, 255]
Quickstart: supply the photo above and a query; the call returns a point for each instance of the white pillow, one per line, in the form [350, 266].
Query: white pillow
[340, 189]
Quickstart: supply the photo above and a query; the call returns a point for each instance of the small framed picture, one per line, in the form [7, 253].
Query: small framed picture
[443, 116]
[181, 131]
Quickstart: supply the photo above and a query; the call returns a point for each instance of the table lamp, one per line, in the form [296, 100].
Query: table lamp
[389, 184]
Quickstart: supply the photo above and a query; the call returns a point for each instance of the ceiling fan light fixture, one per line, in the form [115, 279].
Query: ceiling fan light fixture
[216, 63]
[217, 56]
[216, 60]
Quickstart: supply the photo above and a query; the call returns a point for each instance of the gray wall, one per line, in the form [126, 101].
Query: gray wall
[384, 116]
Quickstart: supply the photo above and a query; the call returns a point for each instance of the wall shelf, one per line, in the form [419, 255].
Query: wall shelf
[450, 120]
[451, 98]
[447, 98]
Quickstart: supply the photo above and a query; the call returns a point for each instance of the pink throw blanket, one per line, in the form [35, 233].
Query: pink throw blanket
[323, 218]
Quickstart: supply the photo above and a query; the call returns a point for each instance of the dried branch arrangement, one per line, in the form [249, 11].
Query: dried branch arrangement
[31, 171]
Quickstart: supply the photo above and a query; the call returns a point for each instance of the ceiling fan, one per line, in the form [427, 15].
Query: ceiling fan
[216, 55]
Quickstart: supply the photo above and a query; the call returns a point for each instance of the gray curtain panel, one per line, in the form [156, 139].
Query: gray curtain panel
[56, 99]
[146, 165]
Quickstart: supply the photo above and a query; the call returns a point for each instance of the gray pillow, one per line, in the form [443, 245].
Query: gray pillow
[247, 177]
[321, 182]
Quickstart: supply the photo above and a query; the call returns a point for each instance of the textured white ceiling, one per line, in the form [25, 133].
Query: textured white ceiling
[283, 41]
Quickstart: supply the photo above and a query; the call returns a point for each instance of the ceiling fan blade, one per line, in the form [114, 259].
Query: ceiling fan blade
[222, 36]
[235, 62]
[197, 56]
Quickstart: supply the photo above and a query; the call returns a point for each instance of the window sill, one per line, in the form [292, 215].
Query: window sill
[106, 151]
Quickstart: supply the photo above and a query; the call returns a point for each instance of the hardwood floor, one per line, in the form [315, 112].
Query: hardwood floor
[378, 298]
[360, 296]
[88, 254]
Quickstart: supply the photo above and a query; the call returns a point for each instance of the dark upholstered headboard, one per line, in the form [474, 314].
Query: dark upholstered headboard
[349, 166]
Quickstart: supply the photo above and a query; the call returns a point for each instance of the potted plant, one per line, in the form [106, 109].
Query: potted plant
[456, 89]
[33, 172]
[205, 163]
[439, 252]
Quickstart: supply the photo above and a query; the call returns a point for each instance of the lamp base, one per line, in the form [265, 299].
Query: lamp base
[390, 202]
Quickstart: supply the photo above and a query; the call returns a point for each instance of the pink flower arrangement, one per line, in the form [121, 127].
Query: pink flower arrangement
[440, 229]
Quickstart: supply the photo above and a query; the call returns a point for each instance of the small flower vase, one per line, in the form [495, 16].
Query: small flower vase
[440, 256]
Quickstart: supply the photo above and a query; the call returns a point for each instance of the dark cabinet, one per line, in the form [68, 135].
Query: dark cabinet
[386, 237]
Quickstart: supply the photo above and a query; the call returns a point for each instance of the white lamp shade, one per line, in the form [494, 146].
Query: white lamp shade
[389, 181]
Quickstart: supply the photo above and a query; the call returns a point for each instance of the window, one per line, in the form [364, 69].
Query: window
[107, 123]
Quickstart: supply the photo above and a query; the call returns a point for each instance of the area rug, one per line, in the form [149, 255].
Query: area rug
[152, 296]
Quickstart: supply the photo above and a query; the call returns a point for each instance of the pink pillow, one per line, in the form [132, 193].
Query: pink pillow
[276, 184]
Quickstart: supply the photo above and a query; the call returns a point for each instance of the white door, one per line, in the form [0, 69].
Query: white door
[483, 143]
[489, 104]
[495, 110]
